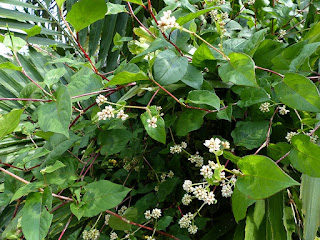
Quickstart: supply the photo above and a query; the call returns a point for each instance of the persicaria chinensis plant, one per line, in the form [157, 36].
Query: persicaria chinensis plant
[190, 119]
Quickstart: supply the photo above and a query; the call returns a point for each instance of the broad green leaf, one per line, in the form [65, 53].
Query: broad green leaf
[35, 30]
[166, 188]
[115, 8]
[189, 120]
[53, 76]
[9, 122]
[225, 114]
[9, 65]
[102, 195]
[130, 214]
[164, 222]
[305, 155]
[239, 70]
[201, 55]
[255, 222]
[253, 42]
[158, 133]
[113, 141]
[85, 12]
[77, 210]
[310, 196]
[182, 20]
[230, 156]
[276, 151]
[14, 43]
[55, 116]
[26, 189]
[261, 177]
[60, 3]
[313, 35]
[82, 83]
[36, 218]
[193, 77]
[250, 96]
[169, 67]
[204, 97]
[250, 134]
[240, 204]
[127, 77]
[266, 51]
[49, 169]
[134, 1]
[298, 92]
[21, 16]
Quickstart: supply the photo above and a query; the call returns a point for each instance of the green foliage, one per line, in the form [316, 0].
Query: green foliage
[9, 122]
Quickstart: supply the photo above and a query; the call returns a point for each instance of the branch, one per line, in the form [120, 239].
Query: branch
[268, 70]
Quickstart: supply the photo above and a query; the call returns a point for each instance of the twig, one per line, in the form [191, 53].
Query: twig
[153, 97]
[25, 99]
[268, 70]
[65, 227]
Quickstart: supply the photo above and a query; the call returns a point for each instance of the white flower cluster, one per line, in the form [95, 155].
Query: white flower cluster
[156, 213]
[92, 234]
[113, 236]
[227, 186]
[101, 100]
[187, 199]
[221, 2]
[122, 210]
[130, 163]
[313, 137]
[178, 148]
[251, 2]
[109, 111]
[152, 122]
[283, 110]
[150, 238]
[106, 219]
[290, 135]
[167, 22]
[186, 222]
[282, 33]
[200, 192]
[214, 144]
[264, 107]
[197, 159]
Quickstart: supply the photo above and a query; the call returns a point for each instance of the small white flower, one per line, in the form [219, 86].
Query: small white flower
[187, 186]
[226, 191]
[222, 175]
[167, 22]
[184, 145]
[108, 112]
[122, 115]
[152, 122]
[156, 188]
[290, 135]
[236, 171]
[225, 145]
[200, 192]
[251, 2]
[175, 149]
[193, 229]
[264, 107]
[206, 171]
[156, 213]
[170, 174]
[213, 165]
[210, 199]
[197, 159]
[106, 219]
[147, 214]
[113, 236]
[213, 144]
[163, 176]
[233, 180]
[282, 33]
[187, 199]
[122, 210]
[185, 221]
[101, 100]
[159, 108]
[150, 238]
[283, 110]
[225, 15]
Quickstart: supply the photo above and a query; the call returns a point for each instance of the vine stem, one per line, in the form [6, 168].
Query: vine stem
[65, 227]
[27, 182]
[269, 70]
[25, 99]
[140, 225]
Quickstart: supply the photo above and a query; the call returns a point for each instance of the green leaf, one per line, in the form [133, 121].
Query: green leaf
[240, 204]
[274, 217]
[261, 177]
[250, 96]
[305, 155]
[253, 42]
[36, 218]
[35, 30]
[276, 151]
[102, 195]
[189, 120]
[26, 189]
[298, 92]
[193, 77]
[310, 196]
[202, 54]
[130, 214]
[77, 210]
[250, 134]
[166, 188]
[9, 122]
[9, 65]
[204, 97]
[60, 3]
[14, 43]
[115, 8]
[49, 169]
[127, 77]
[183, 20]
[164, 222]
[134, 1]
[55, 116]
[239, 70]
[158, 133]
[85, 12]
[113, 141]
[169, 67]
[53, 76]
[255, 222]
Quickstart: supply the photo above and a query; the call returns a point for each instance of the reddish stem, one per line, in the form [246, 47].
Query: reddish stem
[65, 227]
[25, 99]
[268, 70]
[141, 226]
[153, 97]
